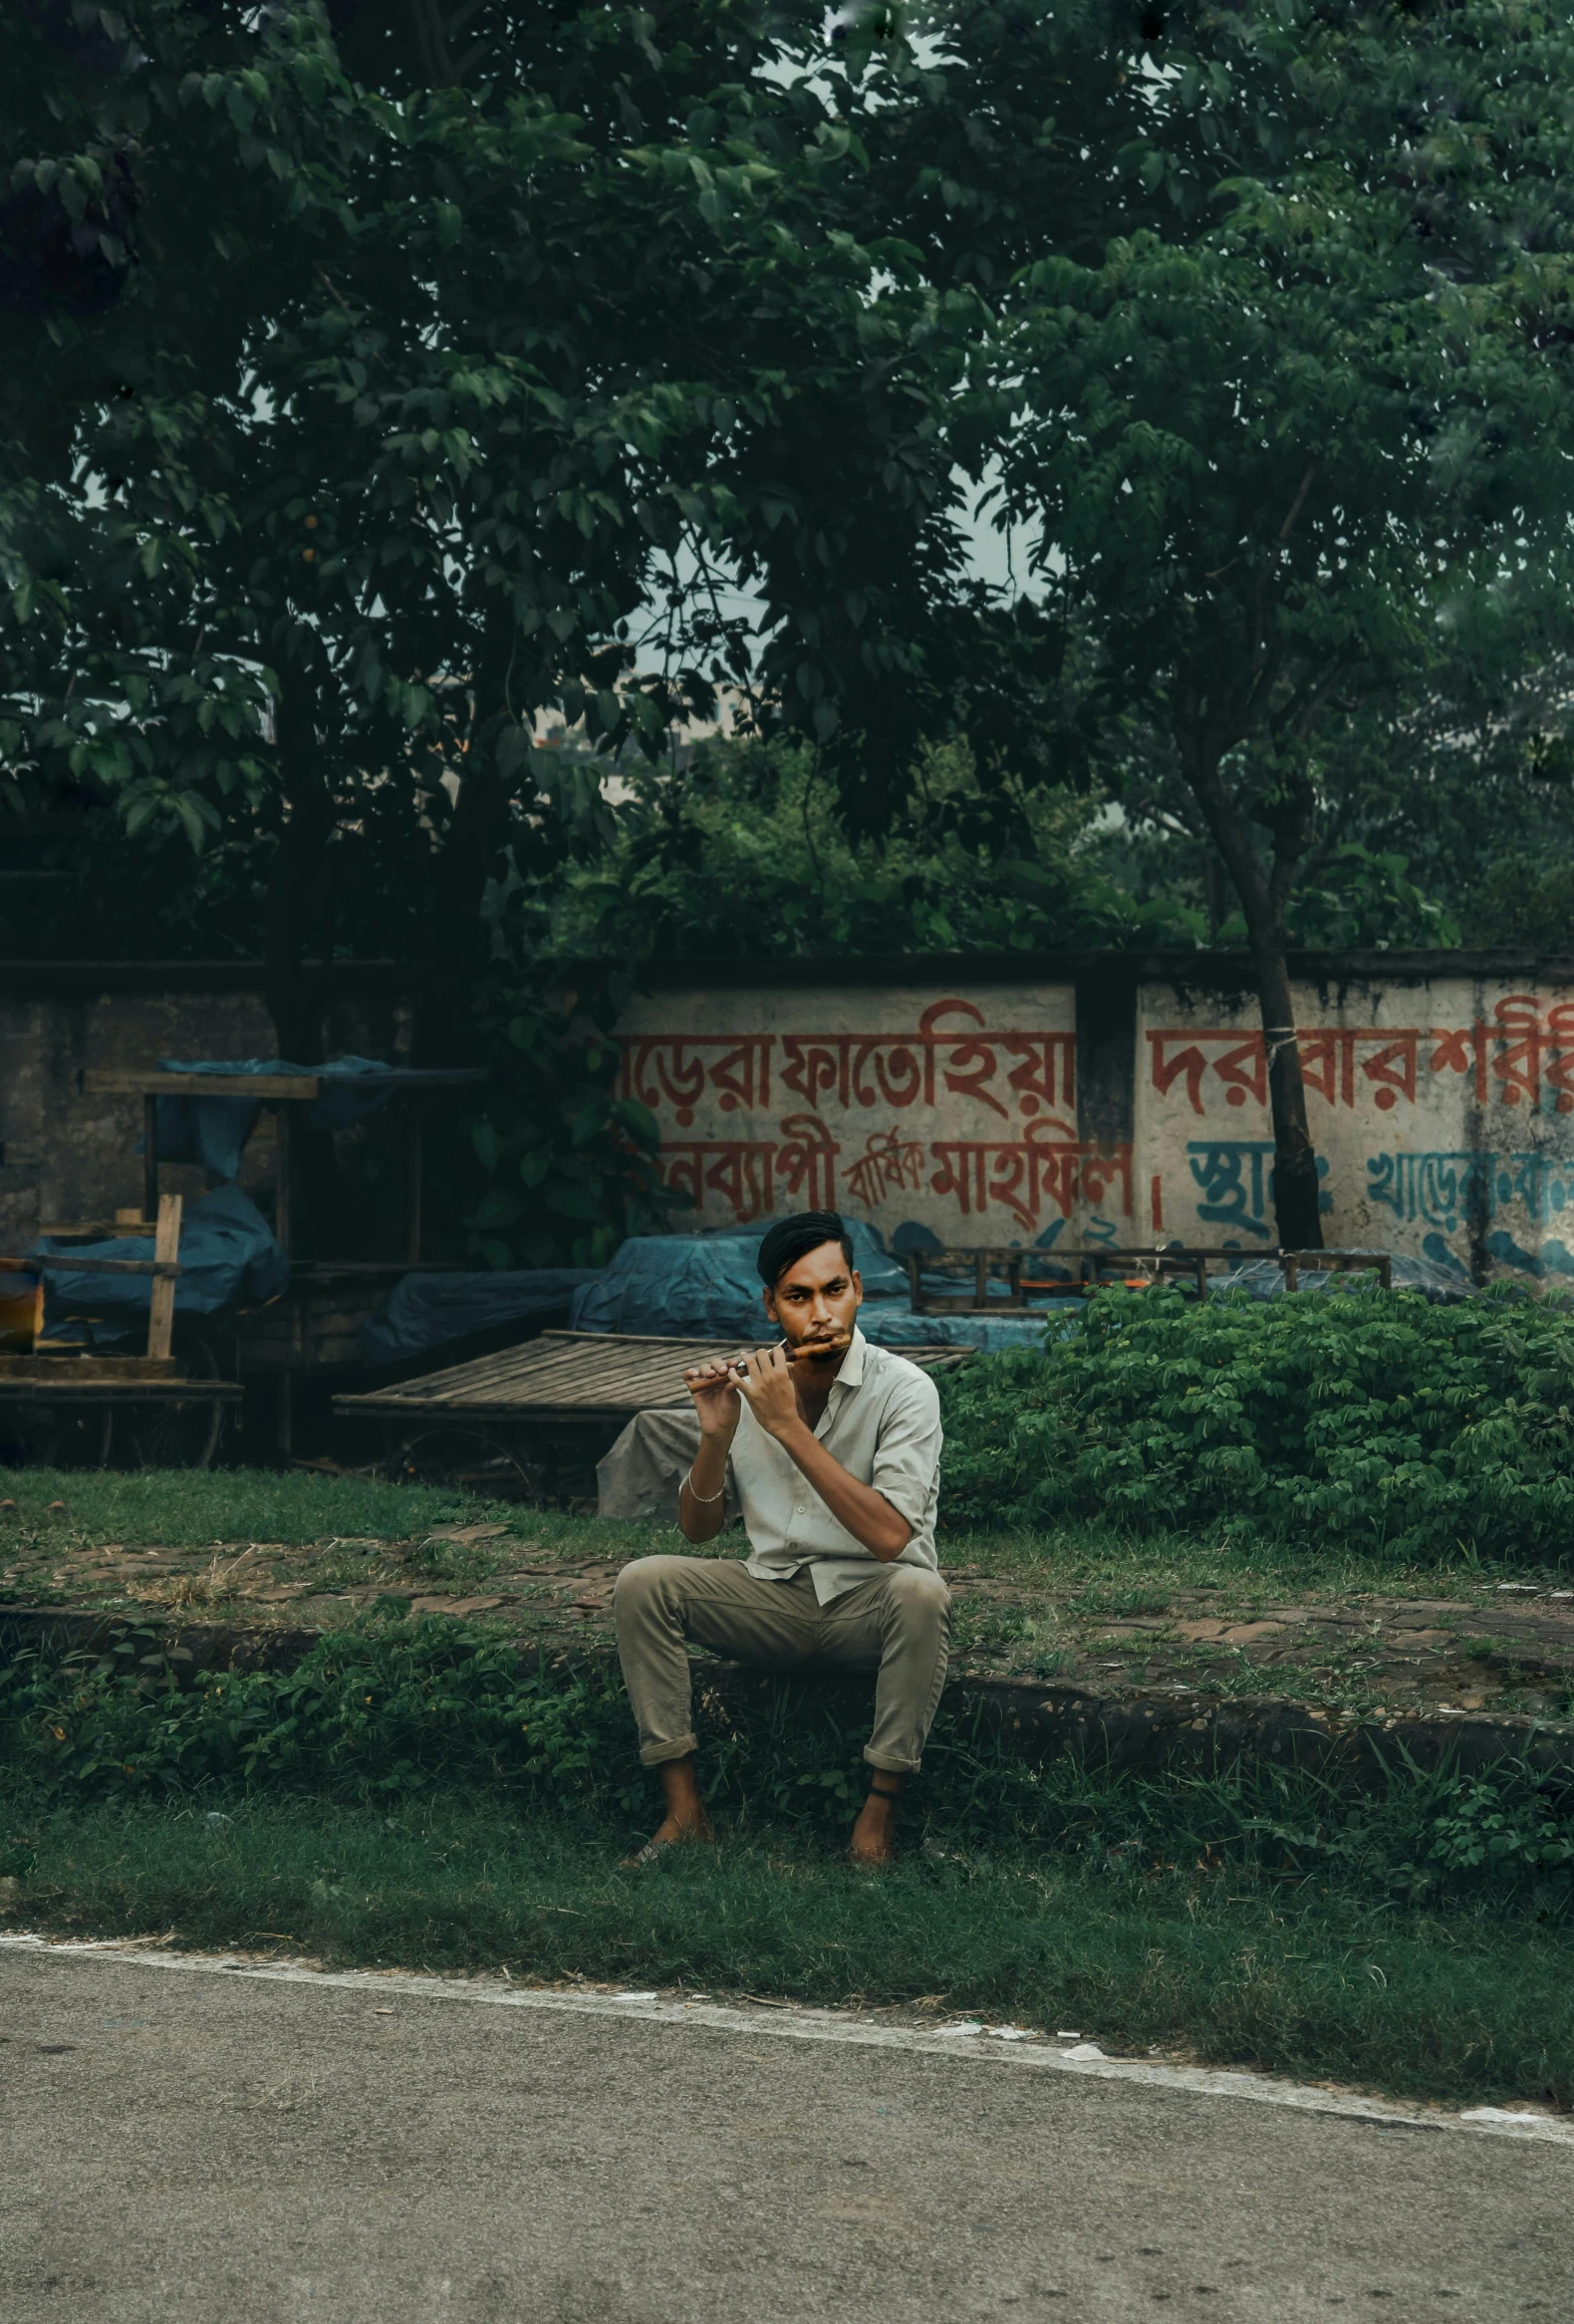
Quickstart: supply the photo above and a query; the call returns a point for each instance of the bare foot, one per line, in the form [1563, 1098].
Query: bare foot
[675, 1828]
[874, 1835]
[685, 1818]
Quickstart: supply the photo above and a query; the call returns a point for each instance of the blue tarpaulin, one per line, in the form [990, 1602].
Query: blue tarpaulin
[228, 1257]
[214, 1130]
[705, 1286]
[429, 1311]
[678, 1286]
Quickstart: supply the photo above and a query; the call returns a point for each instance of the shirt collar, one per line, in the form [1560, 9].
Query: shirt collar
[852, 1372]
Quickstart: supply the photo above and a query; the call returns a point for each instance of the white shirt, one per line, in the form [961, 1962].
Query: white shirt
[881, 1422]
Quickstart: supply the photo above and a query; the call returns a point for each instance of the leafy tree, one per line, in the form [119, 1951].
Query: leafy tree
[456, 357]
[1256, 318]
[408, 373]
[555, 1168]
[110, 677]
[1288, 467]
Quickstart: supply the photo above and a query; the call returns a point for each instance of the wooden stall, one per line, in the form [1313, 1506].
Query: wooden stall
[310, 1329]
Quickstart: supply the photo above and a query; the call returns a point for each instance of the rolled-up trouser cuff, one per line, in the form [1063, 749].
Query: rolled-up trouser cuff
[663, 1754]
[891, 1766]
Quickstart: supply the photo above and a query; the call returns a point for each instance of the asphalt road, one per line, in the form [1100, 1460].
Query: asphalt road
[179, 2145]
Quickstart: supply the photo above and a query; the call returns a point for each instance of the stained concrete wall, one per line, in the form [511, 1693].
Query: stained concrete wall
[1441, 1111]
[952, 1108]
[67, 1155]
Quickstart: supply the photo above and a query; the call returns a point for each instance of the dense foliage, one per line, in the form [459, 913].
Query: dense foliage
[743, 851]
[1368, 1417]
[555, 1167]
[361, 401]
[371, 394]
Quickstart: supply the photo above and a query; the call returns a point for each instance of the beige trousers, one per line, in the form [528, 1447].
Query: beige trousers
[899, 1620]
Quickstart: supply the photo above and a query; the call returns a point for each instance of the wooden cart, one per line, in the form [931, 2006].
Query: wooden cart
[545, 1412]
[71, 1400]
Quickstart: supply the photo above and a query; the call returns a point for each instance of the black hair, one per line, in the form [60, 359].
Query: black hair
[791, 1239]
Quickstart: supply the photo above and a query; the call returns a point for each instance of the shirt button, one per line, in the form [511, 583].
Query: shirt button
[802, 1509]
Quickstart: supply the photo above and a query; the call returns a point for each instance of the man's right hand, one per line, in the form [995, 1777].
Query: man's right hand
[714, 1388]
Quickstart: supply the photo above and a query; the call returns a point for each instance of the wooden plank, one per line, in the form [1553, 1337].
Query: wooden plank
[412, 1185]
[167, 1249]
[270, 1088]
[124, 1222]
[68, 1368]
[149, 1157]
[310, 1271]
[283, 1191]
[264, 1086]
[84, 1264]
[109, 1392]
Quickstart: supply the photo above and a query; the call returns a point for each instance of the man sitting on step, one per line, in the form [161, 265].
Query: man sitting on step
[835, 1452]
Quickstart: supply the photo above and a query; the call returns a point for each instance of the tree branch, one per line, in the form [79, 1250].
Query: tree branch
[1299, 503]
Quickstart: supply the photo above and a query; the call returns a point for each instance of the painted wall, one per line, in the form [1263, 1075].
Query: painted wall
[949, 1109]
[1442, 1115]
[1063, 1100]
[1114, 1106]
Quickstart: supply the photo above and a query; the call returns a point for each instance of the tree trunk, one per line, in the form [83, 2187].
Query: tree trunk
[1296, 1205]
[451, 942]
[295, 993]
[452, 948]
[1295, 1190]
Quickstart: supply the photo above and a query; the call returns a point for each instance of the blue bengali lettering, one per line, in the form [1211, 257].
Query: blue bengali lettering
[1234, 1178]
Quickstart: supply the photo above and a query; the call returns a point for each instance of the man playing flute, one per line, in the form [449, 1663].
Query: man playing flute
[835, 1453]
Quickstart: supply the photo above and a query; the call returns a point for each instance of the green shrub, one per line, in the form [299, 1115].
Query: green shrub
[389, 1708]
[1366, 1419]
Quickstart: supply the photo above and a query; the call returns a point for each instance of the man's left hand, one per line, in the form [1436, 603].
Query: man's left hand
[767, 1387]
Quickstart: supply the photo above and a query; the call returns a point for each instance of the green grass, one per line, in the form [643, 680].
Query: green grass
[417, 1792]
[189, 1507]
[1238, 1964]
[1114, 1569]
[1106, 1569]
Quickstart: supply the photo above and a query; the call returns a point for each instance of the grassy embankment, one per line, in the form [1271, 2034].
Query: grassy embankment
[1221, 1609]
[1417, 1943]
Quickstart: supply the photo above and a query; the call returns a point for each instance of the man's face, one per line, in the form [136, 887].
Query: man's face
[815, 1301]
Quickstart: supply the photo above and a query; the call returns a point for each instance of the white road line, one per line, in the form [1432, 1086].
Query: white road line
[1034, 2054]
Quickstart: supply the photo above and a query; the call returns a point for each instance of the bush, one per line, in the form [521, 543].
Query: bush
[388, 1707]
[1368, 1417]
